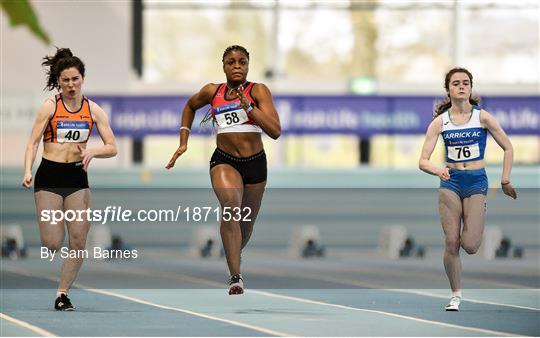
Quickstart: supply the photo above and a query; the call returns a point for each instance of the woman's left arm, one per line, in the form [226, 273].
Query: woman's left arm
[265, 114]
[105, 132]
[503, 141]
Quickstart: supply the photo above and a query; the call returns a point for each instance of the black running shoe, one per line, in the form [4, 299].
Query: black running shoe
[63, 303]
[236, 285]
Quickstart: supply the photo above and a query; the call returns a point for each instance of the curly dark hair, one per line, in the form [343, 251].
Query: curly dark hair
[63, 59]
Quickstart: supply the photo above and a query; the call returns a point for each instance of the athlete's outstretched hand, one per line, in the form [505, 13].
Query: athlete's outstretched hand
[87, 156]
[509, 190]
[27, 181]
[176, 155]
[444, 174]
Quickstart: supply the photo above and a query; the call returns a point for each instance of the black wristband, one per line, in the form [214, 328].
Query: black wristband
[505, 183]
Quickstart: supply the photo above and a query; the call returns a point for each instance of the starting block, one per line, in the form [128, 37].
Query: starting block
[306, 242]
[12, 242]
[395, 242]
[206, 242]
[496, 245]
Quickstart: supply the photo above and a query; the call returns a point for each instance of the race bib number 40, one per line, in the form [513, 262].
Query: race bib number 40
[72, 131]
[230, 115]
[464, 153]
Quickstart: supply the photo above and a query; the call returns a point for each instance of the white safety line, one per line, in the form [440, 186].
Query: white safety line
[467, 299]
[353, 282]
[198, 314]
[33, 328]
[215, 284]
[304, 300]
[309, 301]
[140, 301]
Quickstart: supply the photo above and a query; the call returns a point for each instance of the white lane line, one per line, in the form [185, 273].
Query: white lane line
[467, 299]
[197, 280]
[33, 328]
[198, 314]
[454, 326]
[353, 282]
[140, 301]
[298, 299]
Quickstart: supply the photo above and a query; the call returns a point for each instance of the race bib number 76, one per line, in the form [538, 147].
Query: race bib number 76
[463, 153]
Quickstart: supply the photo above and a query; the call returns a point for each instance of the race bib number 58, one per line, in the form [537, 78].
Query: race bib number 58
[72, 131]
[463, 153]
[230, 115]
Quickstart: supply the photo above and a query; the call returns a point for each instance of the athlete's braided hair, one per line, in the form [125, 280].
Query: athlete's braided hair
[63, 59]
[234, 48]
[445, 104]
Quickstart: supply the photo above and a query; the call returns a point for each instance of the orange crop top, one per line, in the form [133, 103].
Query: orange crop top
[72, 127]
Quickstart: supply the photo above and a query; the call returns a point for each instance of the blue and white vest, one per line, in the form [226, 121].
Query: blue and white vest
[466, 142]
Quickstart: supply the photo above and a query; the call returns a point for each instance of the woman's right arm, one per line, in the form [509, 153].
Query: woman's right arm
[430, 142]
[43, 115]
[199, 100]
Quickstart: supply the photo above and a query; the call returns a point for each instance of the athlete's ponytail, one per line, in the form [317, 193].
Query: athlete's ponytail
[63, 59]
[445, 104]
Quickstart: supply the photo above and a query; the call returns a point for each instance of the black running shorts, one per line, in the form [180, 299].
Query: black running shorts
[252, 169]
[60, 178]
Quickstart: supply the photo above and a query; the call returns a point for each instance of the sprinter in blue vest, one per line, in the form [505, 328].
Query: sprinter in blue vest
[463, 189]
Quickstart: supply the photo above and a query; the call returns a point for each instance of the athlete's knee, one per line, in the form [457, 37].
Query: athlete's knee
[230, 204]
[230, 213]
[77, 242]
[451, 245]
[51, 244]
[229, 224]
[470, 246]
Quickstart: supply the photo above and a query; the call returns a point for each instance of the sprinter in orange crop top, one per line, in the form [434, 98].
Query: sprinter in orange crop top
[61, 182]
[241, 110]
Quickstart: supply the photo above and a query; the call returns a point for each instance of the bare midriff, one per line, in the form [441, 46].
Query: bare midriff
[472, 165]
[240, 144]
[62, 152]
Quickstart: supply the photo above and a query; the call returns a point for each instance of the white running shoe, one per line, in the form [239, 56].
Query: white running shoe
[454, 304]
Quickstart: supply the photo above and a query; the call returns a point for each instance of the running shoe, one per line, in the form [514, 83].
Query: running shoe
[63, 303]
[236, 285]
[454, 304]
